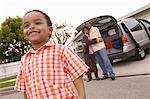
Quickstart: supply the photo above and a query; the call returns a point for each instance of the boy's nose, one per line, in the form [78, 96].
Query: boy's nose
[32, 26]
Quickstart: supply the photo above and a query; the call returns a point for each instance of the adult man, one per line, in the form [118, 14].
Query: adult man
[100, 51]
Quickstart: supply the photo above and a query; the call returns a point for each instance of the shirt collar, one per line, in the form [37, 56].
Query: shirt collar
[48, 44]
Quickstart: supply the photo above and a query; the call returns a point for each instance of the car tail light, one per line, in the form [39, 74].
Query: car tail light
[124, 39]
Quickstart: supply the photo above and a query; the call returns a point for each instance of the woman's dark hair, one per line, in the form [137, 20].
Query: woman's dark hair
[46, 16]
[83, 29]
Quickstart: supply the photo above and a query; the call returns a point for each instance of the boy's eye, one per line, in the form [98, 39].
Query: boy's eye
[25, 25]
[37, 22]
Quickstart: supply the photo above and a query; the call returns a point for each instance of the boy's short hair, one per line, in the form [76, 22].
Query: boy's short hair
[46, 16]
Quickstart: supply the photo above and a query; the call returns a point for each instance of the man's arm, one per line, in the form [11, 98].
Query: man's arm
[89, 42]
[79, 85]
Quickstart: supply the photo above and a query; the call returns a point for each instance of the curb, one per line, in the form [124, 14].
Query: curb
[121, 76]
[130, 75]
[11, 89]
[6, 89]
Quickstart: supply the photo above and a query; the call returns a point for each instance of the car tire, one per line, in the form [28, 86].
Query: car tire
[140, 54]
[148, 51]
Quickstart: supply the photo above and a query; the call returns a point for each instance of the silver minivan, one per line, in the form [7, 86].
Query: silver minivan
[137, 38]
[123, 38]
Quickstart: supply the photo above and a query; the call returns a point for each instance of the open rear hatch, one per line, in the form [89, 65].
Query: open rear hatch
[110, 32]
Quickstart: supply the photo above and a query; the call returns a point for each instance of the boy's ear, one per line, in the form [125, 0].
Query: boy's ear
[51, 29]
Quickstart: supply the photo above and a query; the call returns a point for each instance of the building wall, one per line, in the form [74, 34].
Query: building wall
[143, 13]
[9, 69]
[146, 16]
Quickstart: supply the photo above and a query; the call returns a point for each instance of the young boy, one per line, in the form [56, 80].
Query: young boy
[46, 66]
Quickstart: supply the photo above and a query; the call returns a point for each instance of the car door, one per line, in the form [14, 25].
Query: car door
[146, 25]
[138, 33]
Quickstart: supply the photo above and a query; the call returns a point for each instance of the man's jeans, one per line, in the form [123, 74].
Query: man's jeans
[104, 62]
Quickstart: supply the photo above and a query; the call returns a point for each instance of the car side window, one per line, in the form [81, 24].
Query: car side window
[125, 28]
[133, 26]
[136, 28]
[146, 23]
[128, 33]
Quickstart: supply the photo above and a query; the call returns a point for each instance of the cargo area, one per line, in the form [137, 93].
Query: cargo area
[110, 33]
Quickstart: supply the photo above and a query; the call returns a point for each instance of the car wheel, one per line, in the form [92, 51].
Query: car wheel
[140, 54]
[148, 51]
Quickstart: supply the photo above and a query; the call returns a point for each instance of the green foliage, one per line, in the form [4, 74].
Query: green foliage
[78, 48]
[12, 42]
[8, 78]
[7, 84]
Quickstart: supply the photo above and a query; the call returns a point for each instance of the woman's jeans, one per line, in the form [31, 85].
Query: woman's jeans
[104, 62]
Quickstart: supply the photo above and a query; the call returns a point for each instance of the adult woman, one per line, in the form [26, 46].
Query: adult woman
[89, 56]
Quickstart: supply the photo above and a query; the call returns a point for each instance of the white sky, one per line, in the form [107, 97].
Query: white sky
[73, 12]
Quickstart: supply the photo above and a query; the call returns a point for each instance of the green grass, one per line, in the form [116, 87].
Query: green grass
[8, 78]
[7, 84]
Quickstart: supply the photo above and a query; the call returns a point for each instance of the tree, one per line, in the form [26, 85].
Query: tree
[12, 42]
[62, 33]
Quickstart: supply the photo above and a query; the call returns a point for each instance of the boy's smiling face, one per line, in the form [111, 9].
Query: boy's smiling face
[36, 28]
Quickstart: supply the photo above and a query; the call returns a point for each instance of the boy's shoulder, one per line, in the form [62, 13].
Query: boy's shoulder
[59, 46]
[23, 57]
[53, 46]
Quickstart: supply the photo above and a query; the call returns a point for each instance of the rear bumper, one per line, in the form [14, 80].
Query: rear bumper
[122, 55]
